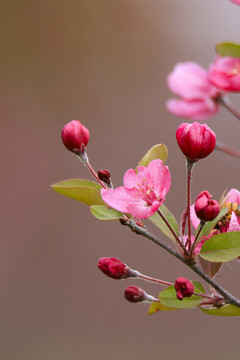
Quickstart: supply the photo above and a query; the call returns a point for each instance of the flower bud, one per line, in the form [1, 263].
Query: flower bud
[114, 268]
[75, 136]
[135, 294]
[183, 287]
[206, 209]
[195, 140]
[104, 175]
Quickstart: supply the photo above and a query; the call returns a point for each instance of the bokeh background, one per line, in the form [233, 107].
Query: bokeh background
[105, 63]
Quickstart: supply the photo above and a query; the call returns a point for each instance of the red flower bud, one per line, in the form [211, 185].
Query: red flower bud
[183, 287]
[195, 140]
[206, 209]
[105, 176]
[75, 136]
[114, 268]
[135, 294]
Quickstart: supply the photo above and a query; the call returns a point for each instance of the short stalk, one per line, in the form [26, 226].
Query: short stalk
[202, 223]
[151, 279]
[189, 166]
[84, 158]
[173, 233]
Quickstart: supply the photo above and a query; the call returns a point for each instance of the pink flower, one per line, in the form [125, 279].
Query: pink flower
[206, 209]
[237, 2]
[143, 192]
[195, 140]
[233, 224]
[75, 136]
[183, 287]
[114, 268]
[135, 294]
[198, 95]
[224, 73]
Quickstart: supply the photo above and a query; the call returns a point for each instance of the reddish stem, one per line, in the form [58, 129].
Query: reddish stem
[173, 233]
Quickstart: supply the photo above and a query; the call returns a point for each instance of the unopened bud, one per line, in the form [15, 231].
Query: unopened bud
[75, 136]
[114, 268]
[136, 294]
[104, 175]
[183, 287]
[195, 140]
[206, 209]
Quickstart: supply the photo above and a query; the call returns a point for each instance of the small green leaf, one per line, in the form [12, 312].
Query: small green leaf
[157, 220]
[88, 192]
[228, 49]
[211, 224]
[168, 297]
[157, 306]
[222, 247]
[156, 152]
[226, 310]
[210, 268]
[105, 213]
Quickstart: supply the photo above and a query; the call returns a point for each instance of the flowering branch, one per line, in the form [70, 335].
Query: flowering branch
[144, 232]
[226, 102]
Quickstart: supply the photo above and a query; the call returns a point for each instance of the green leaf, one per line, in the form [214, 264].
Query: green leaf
[157, 306]
[225, 310]
[222, 247]
[210, 268]
[211, 224]
[105, 213]
[86, 191]
[228, 49]
[157, 220]
[168, 297]
[156, 152]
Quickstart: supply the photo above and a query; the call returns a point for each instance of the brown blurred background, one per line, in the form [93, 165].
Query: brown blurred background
[105, 63]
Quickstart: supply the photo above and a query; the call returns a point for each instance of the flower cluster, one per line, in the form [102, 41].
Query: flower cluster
[202, 90]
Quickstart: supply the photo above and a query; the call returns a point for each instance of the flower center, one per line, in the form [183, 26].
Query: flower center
[235, 71]
[145, 191]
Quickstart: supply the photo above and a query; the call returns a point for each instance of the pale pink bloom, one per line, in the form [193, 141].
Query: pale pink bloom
[237, 2]
[224, 73]
[143, 192]
[198, 96]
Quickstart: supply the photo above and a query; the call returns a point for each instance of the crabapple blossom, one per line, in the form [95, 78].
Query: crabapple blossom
[143, 192]
[198, 96]
[113, 268]
[206, 209]
[136, 294]
[183, 287]
[75, 136]
[232, 223]
[224, 73]
[195, 140]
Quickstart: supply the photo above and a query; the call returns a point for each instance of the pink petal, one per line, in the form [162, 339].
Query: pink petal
[117, 198]
[194, 219]
[234, 224]
[143, 212]
[233, 196]
[194, 109]
[189, 81]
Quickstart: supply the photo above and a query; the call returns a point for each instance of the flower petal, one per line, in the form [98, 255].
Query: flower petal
[192, 109]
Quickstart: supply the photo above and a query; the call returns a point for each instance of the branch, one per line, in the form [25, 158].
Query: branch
[144, 232]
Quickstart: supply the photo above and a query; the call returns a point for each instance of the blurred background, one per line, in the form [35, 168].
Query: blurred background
[103, 62]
